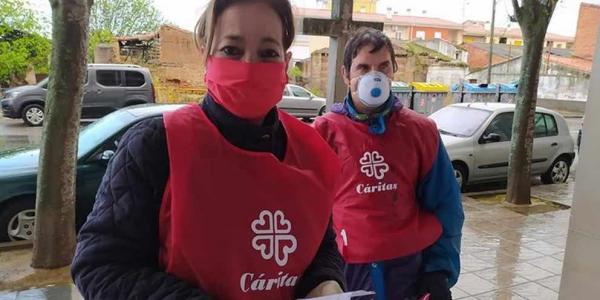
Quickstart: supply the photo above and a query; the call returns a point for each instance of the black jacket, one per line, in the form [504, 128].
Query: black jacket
[117, 254]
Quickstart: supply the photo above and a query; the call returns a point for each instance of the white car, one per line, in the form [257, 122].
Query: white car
[477, 137]
[301, 103]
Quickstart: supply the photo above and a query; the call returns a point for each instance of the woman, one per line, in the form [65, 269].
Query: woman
[230, 199]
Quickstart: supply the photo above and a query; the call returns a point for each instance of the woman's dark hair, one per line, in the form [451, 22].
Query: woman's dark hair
[204, 31]
[366, 36]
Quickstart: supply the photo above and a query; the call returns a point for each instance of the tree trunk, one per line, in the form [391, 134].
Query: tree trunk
[534, 20]
[54, 241]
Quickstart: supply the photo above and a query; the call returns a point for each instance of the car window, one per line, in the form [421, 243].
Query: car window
[460, 121]
[539, 129]
[286, 92]
[108, 77]
[551, 125]
[502, 126]
[133, 78]
[299, 92]
[98, 132]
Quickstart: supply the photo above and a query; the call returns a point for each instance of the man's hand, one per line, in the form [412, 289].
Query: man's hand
[326, 288]
[436, 285]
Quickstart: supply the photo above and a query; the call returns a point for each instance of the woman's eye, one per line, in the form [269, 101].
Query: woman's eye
[269, 53]
[231, 51]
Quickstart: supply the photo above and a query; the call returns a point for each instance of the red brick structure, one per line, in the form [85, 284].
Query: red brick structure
[479, 57]
[587, 30]
[171, 55]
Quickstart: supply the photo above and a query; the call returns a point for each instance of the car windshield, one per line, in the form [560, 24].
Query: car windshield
[459, 121]
[97, 132]
[43, 83]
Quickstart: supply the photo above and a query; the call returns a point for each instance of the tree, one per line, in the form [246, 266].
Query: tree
[54, 241]
[125, 17]
[534, 17]
[21, 41]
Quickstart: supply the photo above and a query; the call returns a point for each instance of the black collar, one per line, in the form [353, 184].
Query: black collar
[268, 137]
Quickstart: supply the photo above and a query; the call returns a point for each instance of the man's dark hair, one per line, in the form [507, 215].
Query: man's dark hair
[366, 36]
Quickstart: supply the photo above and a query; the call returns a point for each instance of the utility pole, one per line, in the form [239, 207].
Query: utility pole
[489, 77]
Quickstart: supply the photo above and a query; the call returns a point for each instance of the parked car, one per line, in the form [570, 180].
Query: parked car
[108, 87]
[477, 137]
[579, 136]
[97, 144]
[301, 103]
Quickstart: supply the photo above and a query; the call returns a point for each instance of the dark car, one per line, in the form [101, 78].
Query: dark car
[108, 87]
[97, 144]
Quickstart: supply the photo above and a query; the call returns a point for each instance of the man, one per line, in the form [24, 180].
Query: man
[397, 213]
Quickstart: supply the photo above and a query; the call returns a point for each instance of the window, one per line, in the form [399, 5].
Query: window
[420, 35]
[438, 35]
[545, 125]
[459, 121]
[108, 78]
[502, 126]
[503, 40]
[399, 35]
[539, 129]
[286, 92]
[300, 92]
[133, 78]
[551, 125]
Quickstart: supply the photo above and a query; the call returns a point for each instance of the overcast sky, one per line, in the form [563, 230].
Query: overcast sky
[184, 13]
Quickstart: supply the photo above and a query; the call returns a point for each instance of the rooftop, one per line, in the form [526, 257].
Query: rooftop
[393, 20]
[478, 28]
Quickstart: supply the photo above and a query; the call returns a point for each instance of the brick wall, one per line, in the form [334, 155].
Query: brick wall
[179, 58]
[479, 58]
[409, 69]
[587, 30]
[317, 72]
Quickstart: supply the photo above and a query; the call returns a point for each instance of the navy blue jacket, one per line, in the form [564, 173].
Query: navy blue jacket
[117, 254]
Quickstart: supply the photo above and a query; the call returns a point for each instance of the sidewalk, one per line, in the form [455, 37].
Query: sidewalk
[505, 254]
[512, 255]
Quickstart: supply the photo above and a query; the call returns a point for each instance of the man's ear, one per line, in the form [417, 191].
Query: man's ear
[345, 75]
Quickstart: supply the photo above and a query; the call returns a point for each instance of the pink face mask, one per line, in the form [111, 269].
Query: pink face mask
[247, 90]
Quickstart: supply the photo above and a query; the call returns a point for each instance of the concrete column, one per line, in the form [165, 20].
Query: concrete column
[581, 270]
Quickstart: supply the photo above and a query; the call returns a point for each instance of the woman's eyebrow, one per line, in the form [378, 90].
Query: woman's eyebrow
[234, 37]
[271, 40]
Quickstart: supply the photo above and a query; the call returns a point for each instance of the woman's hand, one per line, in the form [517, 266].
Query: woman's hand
[326, 288]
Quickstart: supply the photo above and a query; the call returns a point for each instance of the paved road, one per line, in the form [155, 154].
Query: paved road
[15, 134]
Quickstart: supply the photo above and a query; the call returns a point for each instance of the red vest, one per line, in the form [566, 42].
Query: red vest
[376, 212]
[241, 224]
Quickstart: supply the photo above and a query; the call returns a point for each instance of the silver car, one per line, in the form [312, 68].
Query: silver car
[301, 103]
[477, 137]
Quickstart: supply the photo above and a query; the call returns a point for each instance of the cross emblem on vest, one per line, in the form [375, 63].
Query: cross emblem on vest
[373, 164]
[273, 237]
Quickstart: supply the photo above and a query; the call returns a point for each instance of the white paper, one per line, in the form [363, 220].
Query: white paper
[344, 296]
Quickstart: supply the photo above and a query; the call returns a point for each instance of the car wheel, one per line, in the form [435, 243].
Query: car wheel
[460, 173]
[558, 171]
[17, 220]
[322, 111]
[33, 115]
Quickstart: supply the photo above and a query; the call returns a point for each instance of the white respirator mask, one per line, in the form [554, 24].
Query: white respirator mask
[373, 89]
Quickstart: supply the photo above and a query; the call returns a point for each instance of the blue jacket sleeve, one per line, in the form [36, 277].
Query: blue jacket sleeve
[439, 193]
